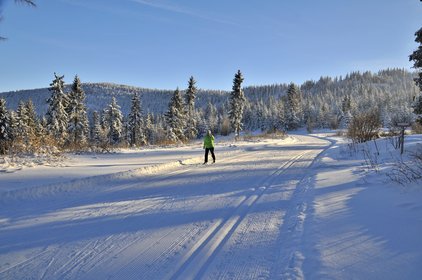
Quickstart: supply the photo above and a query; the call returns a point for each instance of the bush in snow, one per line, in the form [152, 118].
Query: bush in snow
[408, 172]
[364, 126]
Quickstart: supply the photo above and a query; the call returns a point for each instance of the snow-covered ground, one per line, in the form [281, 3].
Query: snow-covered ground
[302, 207]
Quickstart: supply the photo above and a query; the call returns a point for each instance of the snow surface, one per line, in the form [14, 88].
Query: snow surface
[306, 207]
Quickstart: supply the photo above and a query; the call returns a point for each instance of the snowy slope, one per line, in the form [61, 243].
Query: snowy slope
[303, 207]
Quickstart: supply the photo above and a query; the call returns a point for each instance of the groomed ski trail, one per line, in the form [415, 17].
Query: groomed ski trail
[192, 223]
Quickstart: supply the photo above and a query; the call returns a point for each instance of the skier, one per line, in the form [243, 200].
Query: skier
[209, 146]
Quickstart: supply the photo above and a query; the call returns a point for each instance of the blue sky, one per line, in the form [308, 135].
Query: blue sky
[161, 43]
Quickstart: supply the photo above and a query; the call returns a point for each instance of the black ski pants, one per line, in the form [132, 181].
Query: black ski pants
[207, 150]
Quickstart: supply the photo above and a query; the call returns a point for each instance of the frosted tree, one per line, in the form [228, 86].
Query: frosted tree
[97, 132]
[417, 107]
[113, 120]
[42, 134]
[22, 129]
[5, 136]
[293, 107]
[211, 117]
[149, 129]
[57, 117]
[32, 115]
[416, 56]
[78, 126]
[13, 127]
[175, 118]
[191, 131]
[32, 123]
[237, 104]
[346, 115]
[279, 120]
[135, 122]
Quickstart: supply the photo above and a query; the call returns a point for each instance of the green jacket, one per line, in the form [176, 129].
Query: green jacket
[209, 141]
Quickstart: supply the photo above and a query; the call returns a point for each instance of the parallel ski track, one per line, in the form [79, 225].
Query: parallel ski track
[201, 253]
[289, 256]
[72, 266]
[193, 264]
[260, 267]
[171, 248]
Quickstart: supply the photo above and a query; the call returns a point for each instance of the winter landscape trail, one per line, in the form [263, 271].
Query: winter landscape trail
[244, 217]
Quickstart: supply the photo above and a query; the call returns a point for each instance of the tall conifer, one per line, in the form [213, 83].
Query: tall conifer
[191, 131]
[237, 103]
[57, 117]
[78, 126]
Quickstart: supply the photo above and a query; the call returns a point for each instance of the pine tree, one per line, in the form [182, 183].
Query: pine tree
[149, 129]
[42, 134]
[114, 123]
[13, 126]
[346, 104]
[32, 123]
[237, 104]
[191, 131]
[57, 117]
[279, 122]
[22, 129]
[97, 133]
[416, 56]
[211, 117]
[417, 106]
[346, 115]
[136, 133]
[175, 118]
[78, 126]
[5, 136]
[293, 107]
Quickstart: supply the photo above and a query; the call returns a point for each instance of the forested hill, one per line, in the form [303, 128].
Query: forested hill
[98, 96]
[389, 91]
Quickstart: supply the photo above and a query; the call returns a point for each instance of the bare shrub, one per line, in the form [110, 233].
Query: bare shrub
[417, 128]
[225, 127]
[364, 126]
[404, 173]
[264, 135]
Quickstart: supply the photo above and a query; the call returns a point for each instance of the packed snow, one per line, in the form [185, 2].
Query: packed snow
[303, 207]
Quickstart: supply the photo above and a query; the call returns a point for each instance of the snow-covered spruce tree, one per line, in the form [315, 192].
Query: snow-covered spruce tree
[22, 129]
[175, 118]
[417, 108]
[346, 115]
[136, 133]
[279, 118]
[32, 116]
[57, 117]
[416, 56]
[32, 124]
[211, 117]
[5, 136]
[114, 123]
[293, 108]
[97, 132]
[237, 104]
[78, 126]
[149, 129]
[191, 130]
[42, 134]
[13, 127]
